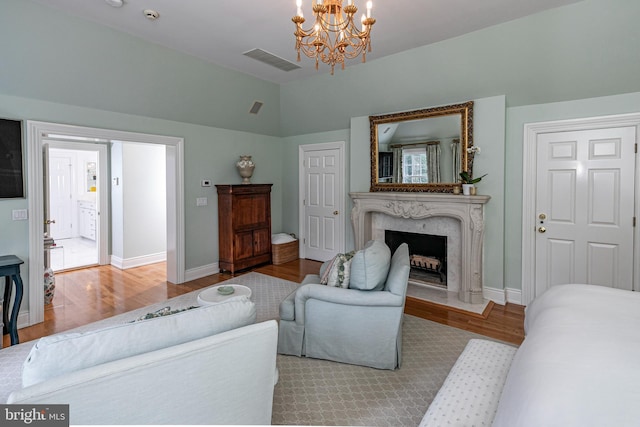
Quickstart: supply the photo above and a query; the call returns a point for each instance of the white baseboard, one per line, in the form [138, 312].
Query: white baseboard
[495, 295]
[503, 296]
[117, 262]
[514, 295]
[203, 271]
[23, 319]
[126, 263]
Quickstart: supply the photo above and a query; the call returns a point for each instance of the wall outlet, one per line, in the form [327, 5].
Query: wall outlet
[19, 215]
[201, 201]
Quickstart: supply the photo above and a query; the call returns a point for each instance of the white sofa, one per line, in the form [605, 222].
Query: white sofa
[208, 365]
[578, 366]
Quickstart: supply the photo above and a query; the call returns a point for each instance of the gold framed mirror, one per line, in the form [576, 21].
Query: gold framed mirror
[421, 150]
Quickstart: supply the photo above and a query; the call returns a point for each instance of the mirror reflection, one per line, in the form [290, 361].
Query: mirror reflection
[422, 150]
[91, 177]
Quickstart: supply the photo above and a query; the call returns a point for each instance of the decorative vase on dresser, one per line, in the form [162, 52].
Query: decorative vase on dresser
[244, 225]
[245, 167]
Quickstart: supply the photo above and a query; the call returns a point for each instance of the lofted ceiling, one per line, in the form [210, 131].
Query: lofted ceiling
[220, 31]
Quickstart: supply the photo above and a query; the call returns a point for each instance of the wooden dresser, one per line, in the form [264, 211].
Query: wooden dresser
[244, 225]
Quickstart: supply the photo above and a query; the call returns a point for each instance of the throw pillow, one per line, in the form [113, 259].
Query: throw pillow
[370, 267]
[340, 271]
[280, 238]
[325, 270]
[60, 354]
[165, 311]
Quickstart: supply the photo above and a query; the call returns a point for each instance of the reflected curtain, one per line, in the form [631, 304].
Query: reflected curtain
[397, 164]
[433, 162]
[455, 155]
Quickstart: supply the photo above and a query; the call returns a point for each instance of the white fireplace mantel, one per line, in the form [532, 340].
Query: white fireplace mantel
[469, 210]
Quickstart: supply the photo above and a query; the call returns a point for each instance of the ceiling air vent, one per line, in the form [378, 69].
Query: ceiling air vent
[255, 108]
[271, 59]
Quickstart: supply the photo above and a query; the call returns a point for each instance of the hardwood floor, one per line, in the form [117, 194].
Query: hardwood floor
[502, 322]
[88, 295]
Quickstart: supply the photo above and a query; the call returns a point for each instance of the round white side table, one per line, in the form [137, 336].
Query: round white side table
[211, 295]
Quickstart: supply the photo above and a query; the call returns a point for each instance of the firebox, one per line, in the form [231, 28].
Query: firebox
[427, 254]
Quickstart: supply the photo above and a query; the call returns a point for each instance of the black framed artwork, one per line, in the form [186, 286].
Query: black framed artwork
[11, 161]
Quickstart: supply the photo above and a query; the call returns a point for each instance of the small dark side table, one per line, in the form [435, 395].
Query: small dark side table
[10, 268]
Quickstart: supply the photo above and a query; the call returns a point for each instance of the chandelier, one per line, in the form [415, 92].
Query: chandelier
[334, 37]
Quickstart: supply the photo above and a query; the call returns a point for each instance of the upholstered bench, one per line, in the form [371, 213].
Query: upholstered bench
[471, 392]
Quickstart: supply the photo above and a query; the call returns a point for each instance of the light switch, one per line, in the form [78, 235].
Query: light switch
[201, 201]
[19, 215]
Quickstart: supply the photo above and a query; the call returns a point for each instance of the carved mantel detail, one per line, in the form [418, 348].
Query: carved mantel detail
[408, 209]
[469, 210]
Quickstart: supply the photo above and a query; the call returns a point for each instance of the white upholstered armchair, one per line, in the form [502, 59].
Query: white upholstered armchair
[361, 325]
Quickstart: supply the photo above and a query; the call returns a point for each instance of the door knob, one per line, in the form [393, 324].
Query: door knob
[336, 212]
[50, 221]
[541, 230]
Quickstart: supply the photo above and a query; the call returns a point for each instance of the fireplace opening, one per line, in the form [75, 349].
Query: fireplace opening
[427, 253]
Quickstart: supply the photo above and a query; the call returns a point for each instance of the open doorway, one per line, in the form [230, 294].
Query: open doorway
[38, 132]
[73, 198]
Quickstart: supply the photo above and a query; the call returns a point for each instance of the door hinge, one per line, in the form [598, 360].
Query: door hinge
[635, 147]
[634, 221]
[304, 240]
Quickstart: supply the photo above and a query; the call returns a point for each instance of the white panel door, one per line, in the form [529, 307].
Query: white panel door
[60, 196]
[585, 208]
[322, 213]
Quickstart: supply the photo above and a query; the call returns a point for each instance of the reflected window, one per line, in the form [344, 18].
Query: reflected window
[414, 166]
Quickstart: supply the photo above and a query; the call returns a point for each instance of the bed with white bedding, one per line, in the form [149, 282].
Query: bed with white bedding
[578, 366]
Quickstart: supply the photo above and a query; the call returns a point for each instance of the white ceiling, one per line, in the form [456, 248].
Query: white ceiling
[220, 31]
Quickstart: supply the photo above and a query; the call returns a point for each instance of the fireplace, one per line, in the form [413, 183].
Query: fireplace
[427, 254]
[460, 218]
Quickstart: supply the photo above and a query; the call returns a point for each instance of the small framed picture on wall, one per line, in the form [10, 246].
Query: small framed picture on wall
[11, 160]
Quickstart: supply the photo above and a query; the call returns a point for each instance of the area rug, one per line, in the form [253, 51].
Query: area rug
[320, 392]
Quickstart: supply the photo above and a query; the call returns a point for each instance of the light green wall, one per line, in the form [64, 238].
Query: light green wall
[571, 54]
[63, 69]
[582, 50]
[517, 117]
[489, 135]
[290, 170]
[144, 204]
[52, 56]
[209, 153]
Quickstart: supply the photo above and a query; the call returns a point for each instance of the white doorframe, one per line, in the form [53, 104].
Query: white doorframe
[103, 191]
[529, 162]
[302, 149]
[175, 201]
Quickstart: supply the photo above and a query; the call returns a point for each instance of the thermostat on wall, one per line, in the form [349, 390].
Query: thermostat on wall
[206, 183]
